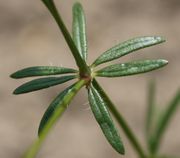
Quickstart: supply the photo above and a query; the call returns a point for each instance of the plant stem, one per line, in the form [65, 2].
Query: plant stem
[130, 135]
[149, 121]
[150, 109]
[79, 61]
[163, 123]
[33, 150]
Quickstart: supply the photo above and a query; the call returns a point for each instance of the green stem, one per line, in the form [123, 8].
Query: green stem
[79, 61]
[33, 150]
[163, 122]
[149, 122]
[130, 135]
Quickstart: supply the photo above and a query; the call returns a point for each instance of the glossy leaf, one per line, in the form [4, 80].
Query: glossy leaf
[127, 47]
[119, 118]
[42, 83]
[79, 30]
[163, 122]
[53, 106]
[103, 117]
[131, 68]
[32, 152]
[79, 61]
[41, 71]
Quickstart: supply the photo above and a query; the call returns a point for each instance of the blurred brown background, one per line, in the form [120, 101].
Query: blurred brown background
[29, 36]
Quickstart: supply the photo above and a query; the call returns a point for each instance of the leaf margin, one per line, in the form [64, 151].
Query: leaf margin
[42, 83]
[41, 71]
[104, 120]
[131, 68]
[79, 29]
[112, 54]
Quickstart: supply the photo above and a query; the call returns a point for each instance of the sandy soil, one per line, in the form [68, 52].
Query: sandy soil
[29, 36]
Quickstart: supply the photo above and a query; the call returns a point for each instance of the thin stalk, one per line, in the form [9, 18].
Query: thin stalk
[163, 123]
[130, 135]
[33, 150]
[150, 109]
[149, 124]
[79, 61]
[121, 121]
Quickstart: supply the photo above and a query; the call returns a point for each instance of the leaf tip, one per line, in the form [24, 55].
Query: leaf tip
[13, 76]
[164, 62]
[16, 92]
[160, 39]
[122, 150]
[77, 7]
[77, 4]
[39, 131]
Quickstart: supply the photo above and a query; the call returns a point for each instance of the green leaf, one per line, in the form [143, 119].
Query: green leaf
[127, 47]
[121, 121]
[131, 68]
[79, 61]
[33, 150]
[79, 30]
[163, 122]
[101, 113]
[42, 71]
[42, 83]
[53, 106]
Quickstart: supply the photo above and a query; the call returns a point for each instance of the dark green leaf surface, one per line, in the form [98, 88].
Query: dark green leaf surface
[163, 122]
[127, 47]
[121, 121]
[53, 106]
[131, 68]
[66, 100]
[101, 113]
[79, 61]
[42, 83]
[42, 71]
[79, 30]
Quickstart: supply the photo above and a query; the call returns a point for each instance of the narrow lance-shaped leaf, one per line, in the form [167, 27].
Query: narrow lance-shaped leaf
[121, 121]
[79, 30]
[163, 122]
[131, 68]
[127, 47]
[42, 71]
[103, 117]
[79, 61]
[42, 83]
[58, 101]
[66, 100]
